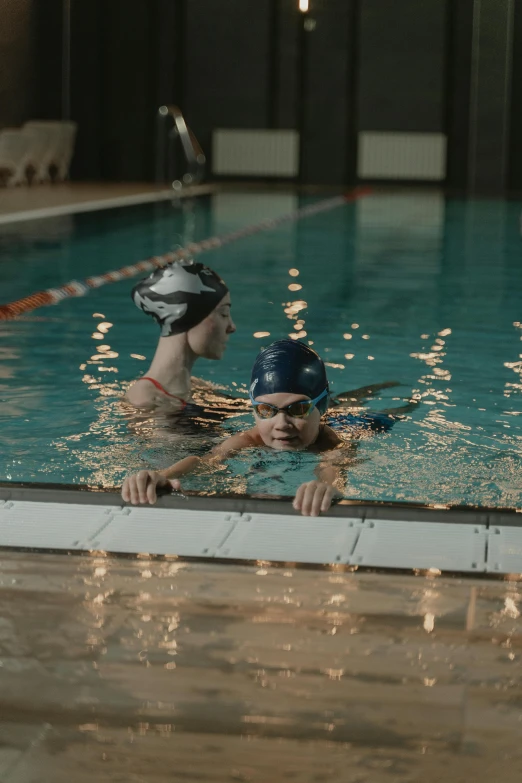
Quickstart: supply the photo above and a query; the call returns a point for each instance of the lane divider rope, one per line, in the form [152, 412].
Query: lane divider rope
[74, 288]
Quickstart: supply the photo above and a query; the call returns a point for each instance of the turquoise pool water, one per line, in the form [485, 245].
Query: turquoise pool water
[405, 287]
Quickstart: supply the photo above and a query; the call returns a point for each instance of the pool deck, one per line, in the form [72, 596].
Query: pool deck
[42, 201]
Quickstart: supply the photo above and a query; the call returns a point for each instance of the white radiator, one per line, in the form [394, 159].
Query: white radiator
[401, 156]
[260, 153]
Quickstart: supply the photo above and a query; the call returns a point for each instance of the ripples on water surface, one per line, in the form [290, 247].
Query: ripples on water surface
[406, 288]
[154, 670]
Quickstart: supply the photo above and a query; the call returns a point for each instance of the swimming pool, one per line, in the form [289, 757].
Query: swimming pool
[394, 286]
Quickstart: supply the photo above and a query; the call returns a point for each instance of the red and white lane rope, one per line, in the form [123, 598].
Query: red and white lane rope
[73, 288]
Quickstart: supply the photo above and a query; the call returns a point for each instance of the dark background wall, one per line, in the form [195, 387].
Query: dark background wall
[122, 68]
[30, 60]
[347, 66]
[17, 55]
[458, 90]
[515, 135]
[327, 94]
[227, 67]
[402, 84]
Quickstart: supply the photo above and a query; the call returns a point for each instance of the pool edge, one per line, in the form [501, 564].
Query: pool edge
[275, 504]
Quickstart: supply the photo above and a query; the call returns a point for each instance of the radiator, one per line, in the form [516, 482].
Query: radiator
[261, 153]
[401, 156]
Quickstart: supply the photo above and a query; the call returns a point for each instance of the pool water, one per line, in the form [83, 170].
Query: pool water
[406, 287]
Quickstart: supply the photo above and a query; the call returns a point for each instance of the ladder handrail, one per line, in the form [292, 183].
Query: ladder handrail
[194, 155]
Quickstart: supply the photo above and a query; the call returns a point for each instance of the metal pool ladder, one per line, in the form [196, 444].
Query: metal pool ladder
[193, 154]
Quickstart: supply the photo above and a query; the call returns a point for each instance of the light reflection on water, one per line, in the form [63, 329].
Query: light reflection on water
[428, 459]
[395, 287]
[255, 673]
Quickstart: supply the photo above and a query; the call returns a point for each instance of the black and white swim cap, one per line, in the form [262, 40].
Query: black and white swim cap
[179, 296]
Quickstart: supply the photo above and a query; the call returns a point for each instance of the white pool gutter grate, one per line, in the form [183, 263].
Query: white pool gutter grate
[504, 550]
[285, 538]
[51, 525]
[390, 543]
[165, 532]
[357, 540]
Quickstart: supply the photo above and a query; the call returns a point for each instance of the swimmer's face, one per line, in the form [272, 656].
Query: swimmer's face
[209, 338]
[286, 433]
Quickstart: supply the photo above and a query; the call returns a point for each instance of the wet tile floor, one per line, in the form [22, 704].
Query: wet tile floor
[157, 670]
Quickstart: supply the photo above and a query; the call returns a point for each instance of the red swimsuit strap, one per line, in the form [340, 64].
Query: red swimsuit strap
[158, 385]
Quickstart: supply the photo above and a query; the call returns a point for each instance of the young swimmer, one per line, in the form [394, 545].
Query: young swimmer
[191, 303]
[289, 392]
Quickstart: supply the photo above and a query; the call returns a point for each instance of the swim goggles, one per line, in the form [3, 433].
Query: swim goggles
[296, 410]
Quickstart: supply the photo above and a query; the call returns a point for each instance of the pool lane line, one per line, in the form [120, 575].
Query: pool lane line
[52, 296]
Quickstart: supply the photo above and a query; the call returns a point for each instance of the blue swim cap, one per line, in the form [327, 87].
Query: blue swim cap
[292, 367]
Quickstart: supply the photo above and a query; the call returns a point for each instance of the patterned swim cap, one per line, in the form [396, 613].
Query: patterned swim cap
[179, 296]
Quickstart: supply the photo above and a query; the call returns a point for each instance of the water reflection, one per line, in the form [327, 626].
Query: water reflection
[258, 672]
[410, 276]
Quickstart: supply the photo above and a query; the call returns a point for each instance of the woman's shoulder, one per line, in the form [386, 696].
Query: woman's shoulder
[140, 395]
[149, 393]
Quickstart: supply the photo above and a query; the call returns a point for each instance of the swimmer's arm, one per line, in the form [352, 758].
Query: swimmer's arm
[315, 497]
[331, 469]
[238, 442]
[141, 487]
[230, 446]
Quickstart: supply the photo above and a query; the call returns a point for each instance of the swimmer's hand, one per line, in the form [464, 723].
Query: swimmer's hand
[141, 487]
[314, 497]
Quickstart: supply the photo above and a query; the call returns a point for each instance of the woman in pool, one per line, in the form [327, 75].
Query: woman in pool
[289, 392]
[191, 303]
